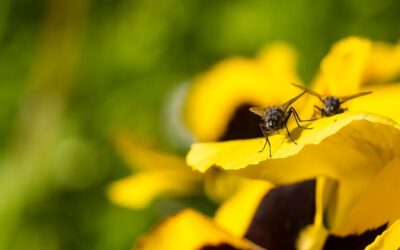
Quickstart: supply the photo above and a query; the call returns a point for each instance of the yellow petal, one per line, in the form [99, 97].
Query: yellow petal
[138, 154]
[342, 69]
[389, 240]
[279, 63]
[139, 190]
[384, 101]
[188, 230]
[383, 63]
[217, 94]
[218, 184]
[236, 214]
[351, 148]
[378, 205]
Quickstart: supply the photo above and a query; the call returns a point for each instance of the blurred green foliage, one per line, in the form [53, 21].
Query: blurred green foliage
[72, 71]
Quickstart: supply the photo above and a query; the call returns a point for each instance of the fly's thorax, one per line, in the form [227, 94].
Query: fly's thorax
[273, 117]
[331, 104]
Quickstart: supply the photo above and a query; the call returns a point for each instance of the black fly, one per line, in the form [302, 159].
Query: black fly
[275, 118]
[332, 105]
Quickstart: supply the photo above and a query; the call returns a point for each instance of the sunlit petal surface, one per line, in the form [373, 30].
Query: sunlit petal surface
[359, 150]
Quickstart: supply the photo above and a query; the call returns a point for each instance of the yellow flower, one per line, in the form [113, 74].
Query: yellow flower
[216, 109]
[357, 150]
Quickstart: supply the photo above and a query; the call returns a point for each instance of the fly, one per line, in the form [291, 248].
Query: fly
[332, 105]
[275, 118]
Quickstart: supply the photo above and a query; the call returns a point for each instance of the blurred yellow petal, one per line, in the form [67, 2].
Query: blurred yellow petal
[342, 70]
[384, 101]
[351, 148]
[383, 63]
[279, 62]
[139, 190]
[381, 199]
[218, 185]
[217, 94]
[189, 230]
[236, 214]
[138, 154]
[159, 174]
[388, 240]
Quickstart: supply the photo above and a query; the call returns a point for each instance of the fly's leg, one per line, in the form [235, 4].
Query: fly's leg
[297, 118]
[265, 133]
[291, 111]
[340, 111]
[316, 108]
[290, 136]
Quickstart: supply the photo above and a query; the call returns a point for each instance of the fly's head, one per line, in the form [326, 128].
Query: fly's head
[332, 105]
[274, 117]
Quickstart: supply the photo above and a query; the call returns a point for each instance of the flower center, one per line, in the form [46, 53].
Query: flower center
[243, 125]
[282, 214]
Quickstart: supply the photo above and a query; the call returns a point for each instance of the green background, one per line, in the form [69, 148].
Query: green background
[73, 71]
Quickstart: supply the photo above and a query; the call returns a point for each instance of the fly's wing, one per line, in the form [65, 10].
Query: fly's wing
[287, 104]
[311, 92]
[349, 97]
[260, 111]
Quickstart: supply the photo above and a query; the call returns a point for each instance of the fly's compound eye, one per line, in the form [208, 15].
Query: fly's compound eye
[271, 123]
[332, 103]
